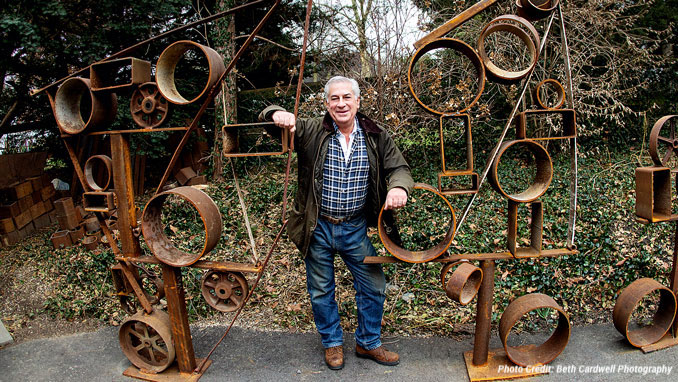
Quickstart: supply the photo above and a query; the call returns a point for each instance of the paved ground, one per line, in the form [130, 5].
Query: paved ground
[264, 356]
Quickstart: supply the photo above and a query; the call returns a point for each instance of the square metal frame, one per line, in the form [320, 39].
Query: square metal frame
[653, 193]
[536, 229]
[100, 73]
[469, 144]
[569, 124]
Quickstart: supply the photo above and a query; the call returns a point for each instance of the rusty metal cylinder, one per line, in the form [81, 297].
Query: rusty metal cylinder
[560, 93]
[536, 9]
[167, 64]
[628, 301]
[69, 107]
[153, 230]
[89, 171]
[427, 254]
[542, 178]
[527, 34]
[526, 356]
[464, 282]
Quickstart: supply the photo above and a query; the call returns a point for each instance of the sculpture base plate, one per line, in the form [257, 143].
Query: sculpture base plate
[499, 366]
[171, 374]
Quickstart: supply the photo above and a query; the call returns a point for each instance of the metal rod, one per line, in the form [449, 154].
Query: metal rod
[503, 134]
[673, 279]
[573, 141]
[481, 341]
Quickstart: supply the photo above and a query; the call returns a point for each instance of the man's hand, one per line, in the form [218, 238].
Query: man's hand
[396, 198]
[285, 120]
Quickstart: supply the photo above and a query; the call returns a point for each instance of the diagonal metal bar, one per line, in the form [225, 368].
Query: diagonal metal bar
[493, 155]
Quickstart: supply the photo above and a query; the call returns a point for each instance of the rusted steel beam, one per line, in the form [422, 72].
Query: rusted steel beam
[471, 256]
[138, 290]
[455, 22]
[481, 340]
[176, 307]
[122, 181]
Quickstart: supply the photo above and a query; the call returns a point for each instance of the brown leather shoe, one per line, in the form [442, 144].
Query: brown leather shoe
[379, 355]
[334, 357]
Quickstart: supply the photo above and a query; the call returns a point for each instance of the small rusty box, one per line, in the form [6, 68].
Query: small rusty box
[653, 193]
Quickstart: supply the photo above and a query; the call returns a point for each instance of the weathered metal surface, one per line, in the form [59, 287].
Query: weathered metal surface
[122, 181]
[101, 201]
[560, 93]
[472, 256]
[76, 234]
[68, 107]
[653, 193]
[224, 291]
[176, 307]
[90, 242]
[167, 64]
[148, 107]
[284, 141]
[146, 340]
[542, 178]
[61, 239]
[569, 121]
[464, 282]
[531, 41]
[536, 230]
[153, 230]
[481, 340]
[498, 367]
[425, 255]
[659, 139]
[106, 161]
[454, 22]
[223, 266]
[528, 356]
[629, 300]
[536, 9]
[471, 188]
[460, 47]
[468, 136]
[120, 74]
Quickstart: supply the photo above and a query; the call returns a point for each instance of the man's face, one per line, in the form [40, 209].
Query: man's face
[342, 104]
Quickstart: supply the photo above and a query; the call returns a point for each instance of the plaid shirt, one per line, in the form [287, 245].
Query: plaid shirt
[345, 182]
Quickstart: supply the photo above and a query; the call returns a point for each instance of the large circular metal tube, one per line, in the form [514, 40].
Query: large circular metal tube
[537, 355]
[628, 301]
[531, 40]
[146, 340]
[166, 67]
[542, 178]
[464, 283]
[536, 9]
[68, 106]
[560, 92]
[425, 255]
[89, 171]
[160, 245]
[464, 49]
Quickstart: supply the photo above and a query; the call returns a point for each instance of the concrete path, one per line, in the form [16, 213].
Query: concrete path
[595, 353]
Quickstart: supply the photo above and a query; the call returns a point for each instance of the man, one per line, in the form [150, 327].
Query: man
[348, 167]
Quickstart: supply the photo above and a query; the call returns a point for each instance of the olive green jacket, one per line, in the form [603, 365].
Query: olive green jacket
[388, 169]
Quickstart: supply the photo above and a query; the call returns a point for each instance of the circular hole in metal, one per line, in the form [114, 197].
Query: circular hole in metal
[522, 160]
[446, 76]
[426, 218]
[76, 108]
[180, 64]
[96, 178]
[182, 224]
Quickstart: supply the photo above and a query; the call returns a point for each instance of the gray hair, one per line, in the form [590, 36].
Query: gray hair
[354, 85]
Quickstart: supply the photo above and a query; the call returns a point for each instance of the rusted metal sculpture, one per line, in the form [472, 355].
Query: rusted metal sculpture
[654, 194]
[483, 363]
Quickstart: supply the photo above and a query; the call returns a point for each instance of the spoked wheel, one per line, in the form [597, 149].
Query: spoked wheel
[664, 142]
[146, 340]
[149, 108]
[224, 291]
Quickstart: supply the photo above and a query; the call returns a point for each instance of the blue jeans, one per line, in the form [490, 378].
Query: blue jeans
[349, 240]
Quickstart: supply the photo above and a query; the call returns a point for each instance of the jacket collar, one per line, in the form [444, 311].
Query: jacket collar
[367, 124]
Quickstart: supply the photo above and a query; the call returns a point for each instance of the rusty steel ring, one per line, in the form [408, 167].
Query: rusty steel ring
[167, 63]
[560, 91]
[153, 231]
[89, 172]
[68, 106]
[531, 40]
[146, 340]
[534, 355]
[542, 179]
[464, 282]
[628, 301]
[425, 255]
[536, 10]
[224, 291]
[459, 46]
[671, 142]
[148, 107]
